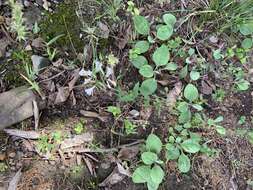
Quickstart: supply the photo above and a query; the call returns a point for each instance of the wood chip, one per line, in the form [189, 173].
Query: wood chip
[23, 134]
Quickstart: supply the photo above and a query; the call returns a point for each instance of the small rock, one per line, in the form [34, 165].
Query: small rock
[213, 39]
[28, 48]
[134, 113]
[12, 154]
[37, 43]
[26, 3]
[39, 63]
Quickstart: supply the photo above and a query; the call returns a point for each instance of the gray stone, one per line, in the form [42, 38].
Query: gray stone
[39, 63]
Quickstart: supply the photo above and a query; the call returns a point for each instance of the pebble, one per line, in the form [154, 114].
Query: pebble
[134, 113]
[26, 3]
[12, 155]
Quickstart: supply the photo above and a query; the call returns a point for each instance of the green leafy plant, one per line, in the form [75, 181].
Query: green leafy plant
[132, 8]
[160, 56]
[150, 172]
[116, 111]
[3, 167]
[130, 128]
[79, 128]
[215, 123]
[242, 120]
[219, 95]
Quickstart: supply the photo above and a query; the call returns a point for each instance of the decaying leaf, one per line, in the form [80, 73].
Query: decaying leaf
[14, 181]
[62, 95]
[128, 153]
[23, 134]
[206, 88]
[93, 115]
[117, 175]
[173, 95]
[77, 140]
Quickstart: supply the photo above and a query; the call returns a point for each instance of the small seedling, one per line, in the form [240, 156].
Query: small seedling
[215, 123]
[3, 167]
[242, 120]
[130, 128]
[219, 95]
[150, 172]
[79, 128]
[116, 111]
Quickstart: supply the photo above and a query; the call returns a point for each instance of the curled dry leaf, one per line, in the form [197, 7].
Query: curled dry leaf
[93, 115]
[173, 95]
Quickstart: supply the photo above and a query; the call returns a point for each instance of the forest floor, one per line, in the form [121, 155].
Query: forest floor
[127, 88]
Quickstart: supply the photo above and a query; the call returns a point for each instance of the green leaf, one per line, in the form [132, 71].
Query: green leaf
[217, 54]
[184, 163]
[149, 158]
[197, 107]
[139, 61]
[247, 43]
[185, 117]
[169, 19]
[190, 146]
[146, 71]
[195, 75]
[172, 152]
[142, 46]
[152, 186]
[154, 144]
[221, 130]
[191, 92]
[218, 119]
[246, 28]
[161, 56]
[141, 174]
[171, 66]
[141, 25]
[184, 71]
[148, 87]
[250, 137]
[157, 174]
[183, 107]
[243, 85]
[114, 110]
[164, 32]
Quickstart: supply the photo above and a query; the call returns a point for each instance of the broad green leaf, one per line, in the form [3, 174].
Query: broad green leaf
[157, 174]
[185, 117]
[182, 107]
[142, 46]
[221, 130]
[171, 66]
[247, 43]
[243, 85]
[195, 137]
[164, 32]
[172, 152]
[114, 110]
[148, 87]
[246, 28]
[141, 174]
[195, 75]
[154, 144]
[161, 56]
[139, 61]
[141, 25]
[217, 54]
[146, 71]
[184, 163]
[149, 158]
[152, 186]
[169, 19]
[191, 92]
[190, 146]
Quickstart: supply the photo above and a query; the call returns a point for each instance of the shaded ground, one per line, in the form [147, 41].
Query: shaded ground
[231, 167]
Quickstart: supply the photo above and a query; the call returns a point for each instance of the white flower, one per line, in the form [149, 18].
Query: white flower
[89, 91]
[85, 73]
[98, 66]
[109, 72]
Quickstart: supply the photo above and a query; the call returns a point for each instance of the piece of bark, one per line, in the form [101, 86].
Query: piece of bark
[15, 106]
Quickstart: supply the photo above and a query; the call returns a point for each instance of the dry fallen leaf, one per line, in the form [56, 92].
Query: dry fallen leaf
[93, 115]
[23, 134]
[15, 180]
[206, 88]
[173, 95]
[62, 95]
[128, 153]
[77, 140]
